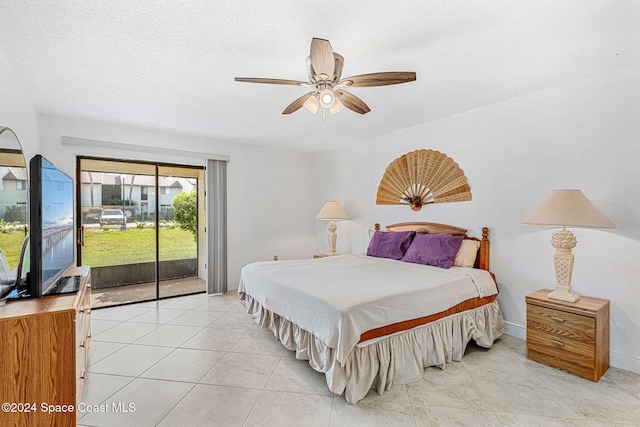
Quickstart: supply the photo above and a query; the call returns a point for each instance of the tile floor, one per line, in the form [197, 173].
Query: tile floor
[201, 361]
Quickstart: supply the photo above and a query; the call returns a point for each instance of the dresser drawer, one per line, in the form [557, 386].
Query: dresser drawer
[561, 324]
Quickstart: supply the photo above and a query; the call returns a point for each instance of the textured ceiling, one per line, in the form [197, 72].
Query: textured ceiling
[170, 64]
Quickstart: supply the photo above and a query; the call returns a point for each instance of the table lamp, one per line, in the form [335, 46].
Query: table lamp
[566, 208]
[332, 212]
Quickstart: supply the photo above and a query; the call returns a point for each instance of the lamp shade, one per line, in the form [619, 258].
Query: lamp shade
[331, 211]
[567, 208]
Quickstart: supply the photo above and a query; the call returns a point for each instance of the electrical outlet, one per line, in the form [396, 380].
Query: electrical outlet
[275, 257]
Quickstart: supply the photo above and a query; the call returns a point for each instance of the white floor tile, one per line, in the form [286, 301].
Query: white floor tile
[382, 414]
[99, 387]
[101, 325]
[125, 332]
[158, 315]
[282, 409]
[297, 376]
[142, 402]
[99, 350]
[234, 320]
[196, 318]
[131, 360]
[184, 364]
[441, 416]
[209, 405]
[259, 341]
[243, 370]
[169, 335]
[215, 339]
[121, 313]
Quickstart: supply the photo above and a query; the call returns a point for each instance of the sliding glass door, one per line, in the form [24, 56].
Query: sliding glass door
[181, 191]
[134, 231]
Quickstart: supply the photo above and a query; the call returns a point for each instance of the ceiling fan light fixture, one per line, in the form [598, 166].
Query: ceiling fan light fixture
[311, 104]
[337, 107]
[327, 98]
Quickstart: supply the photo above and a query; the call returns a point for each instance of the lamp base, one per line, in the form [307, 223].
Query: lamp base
[564, 294]
[563, 240]
[333, 237]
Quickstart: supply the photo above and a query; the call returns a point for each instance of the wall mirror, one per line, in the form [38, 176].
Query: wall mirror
[14, 212]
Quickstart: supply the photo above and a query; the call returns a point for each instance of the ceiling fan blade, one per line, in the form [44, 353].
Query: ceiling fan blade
[322, 59]
[352, 102]
[339, 61]
[295, 105]
[378, 79]
[272, 81]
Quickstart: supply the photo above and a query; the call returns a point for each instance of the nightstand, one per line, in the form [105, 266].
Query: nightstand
[570, 336]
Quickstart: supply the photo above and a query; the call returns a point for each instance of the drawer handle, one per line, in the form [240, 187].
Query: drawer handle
[557, 343]
[558, 319]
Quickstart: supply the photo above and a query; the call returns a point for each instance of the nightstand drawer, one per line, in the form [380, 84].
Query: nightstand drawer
[561, 348]
[591, 373]
[562, 324]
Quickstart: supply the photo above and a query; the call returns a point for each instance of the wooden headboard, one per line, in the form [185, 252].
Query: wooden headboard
[482, 259]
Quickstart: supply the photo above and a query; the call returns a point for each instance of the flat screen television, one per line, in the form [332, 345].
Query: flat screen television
[51, 226]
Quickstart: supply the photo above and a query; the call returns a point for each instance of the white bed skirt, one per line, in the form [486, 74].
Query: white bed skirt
[398, 359]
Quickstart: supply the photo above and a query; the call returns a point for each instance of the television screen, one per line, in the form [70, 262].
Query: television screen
[51, 235]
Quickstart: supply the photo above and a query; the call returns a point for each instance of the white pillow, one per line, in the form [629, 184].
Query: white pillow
[466, 256]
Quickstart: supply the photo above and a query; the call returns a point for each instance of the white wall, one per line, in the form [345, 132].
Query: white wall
[585, 134]
[17, 110]
[270, 197]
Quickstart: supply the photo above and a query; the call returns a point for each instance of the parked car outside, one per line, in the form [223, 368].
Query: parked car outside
[112, 216]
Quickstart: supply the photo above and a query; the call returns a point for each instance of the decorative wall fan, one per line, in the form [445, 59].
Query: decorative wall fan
[325, 68]
[421, 177]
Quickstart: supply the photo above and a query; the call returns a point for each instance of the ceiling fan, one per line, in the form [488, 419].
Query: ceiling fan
[325, 68]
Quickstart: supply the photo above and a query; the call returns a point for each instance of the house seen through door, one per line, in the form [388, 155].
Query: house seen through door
[141, 229]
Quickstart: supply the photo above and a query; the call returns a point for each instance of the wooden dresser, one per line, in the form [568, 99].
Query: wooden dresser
[570, 336]
[44, 355]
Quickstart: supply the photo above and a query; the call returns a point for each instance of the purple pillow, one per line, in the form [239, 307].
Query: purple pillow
[393, 245]
[438, 250]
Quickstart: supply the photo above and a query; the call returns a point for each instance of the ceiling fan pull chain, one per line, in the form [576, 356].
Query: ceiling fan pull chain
[324, 114]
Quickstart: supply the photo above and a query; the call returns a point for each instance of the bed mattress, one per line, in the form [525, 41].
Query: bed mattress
[351, 299]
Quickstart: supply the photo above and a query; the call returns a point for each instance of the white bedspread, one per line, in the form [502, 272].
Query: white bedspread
[339, 298]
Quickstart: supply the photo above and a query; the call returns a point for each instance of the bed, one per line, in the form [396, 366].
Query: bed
[372, 321]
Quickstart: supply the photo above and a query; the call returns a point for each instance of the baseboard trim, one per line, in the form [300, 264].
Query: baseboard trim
[515, 330]
[616, 360]
[625, 362]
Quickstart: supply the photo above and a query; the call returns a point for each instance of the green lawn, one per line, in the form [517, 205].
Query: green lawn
[115, 247]
[135, 245]
[10, 243]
